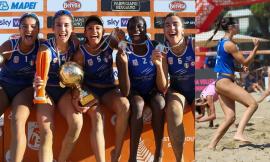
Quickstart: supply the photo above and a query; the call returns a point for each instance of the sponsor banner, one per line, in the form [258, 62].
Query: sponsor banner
[33, 135]
[78, 21]
[72, 5]
[189, 22]
[203, 78]
[125, 5]
[174, 5]
[21, 5]
[13, 22]
[120, 21]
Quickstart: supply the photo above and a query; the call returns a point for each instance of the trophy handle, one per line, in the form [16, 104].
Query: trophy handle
[42, 70]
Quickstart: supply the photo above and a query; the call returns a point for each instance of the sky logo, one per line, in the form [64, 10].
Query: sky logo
[3, 5]
[124, 22]
[16, 22]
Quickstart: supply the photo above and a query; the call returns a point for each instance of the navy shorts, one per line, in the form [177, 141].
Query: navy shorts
[146, 97]
[189, 95]
[55, 93]
[99, 92]
[12, 90]
[221, 76]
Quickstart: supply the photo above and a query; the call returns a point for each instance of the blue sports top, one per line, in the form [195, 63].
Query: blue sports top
[224, 60]
[19, 69]
[142, 71]
[98, 68]
[182, 68]
[57, 60]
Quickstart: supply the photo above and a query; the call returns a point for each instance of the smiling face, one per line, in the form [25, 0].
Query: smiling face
[94, 33]
[29, 31]
[173, 29]
[62, 28]
[137, 30]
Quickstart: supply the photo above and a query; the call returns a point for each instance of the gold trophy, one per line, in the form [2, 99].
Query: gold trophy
[71, 75]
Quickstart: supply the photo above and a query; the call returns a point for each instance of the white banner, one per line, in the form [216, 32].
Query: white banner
[72, 5]
[174, 5]
[120, 21]
[13, 22]
[21, 6]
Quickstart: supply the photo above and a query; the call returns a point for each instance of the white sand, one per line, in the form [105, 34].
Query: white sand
[228, 150]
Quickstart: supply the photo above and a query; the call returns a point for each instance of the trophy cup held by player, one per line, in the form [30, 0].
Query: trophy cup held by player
[71, 75]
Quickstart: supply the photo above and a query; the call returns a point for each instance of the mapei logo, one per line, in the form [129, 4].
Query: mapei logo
[23, 5]
[72, 5]
[4, 6]
[177, 6]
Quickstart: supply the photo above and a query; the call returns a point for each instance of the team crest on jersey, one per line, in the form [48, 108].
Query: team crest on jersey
[186, 65]
[192, 63]
[90, 62]
[55, 60]
[106, 59]
[63, 58]
[16, 59]
[31, 62]
[135, 62]
[170, 60]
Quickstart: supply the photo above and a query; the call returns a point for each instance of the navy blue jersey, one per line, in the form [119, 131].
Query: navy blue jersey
[57, 60]
[142, 71]
[19, 69]
[224, 61]
[182, 69]
[98, 68]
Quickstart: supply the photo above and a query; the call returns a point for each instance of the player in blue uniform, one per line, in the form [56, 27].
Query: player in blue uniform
[180, 60]
[60, 49]
[16, 78]
[148, 82]
[95, 56]
[229, 92]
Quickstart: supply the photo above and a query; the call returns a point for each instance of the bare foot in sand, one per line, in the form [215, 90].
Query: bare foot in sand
[213, 148]
[241, 139]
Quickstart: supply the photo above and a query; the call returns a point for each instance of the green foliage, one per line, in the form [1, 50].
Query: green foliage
[260, 9]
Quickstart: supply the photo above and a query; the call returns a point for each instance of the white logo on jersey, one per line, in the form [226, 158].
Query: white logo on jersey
[192, 63]
[90, 62]
[170, 60]
[135, 62]
[16, 59]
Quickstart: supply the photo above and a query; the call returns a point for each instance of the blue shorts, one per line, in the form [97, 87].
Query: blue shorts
[221, 76]
[12, 90]
[189, 95]
[55, 93]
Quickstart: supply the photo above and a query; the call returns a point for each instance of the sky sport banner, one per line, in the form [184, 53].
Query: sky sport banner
[208, 10]
[125, 5]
